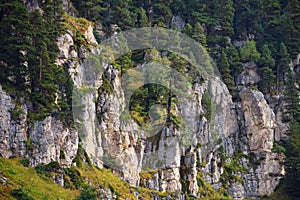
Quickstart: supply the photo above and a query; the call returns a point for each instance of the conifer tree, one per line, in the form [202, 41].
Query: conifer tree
[292, 25]
[282, 64]
[123, 14]
[188, 30]
[236, 66]
[90, 9]
[199, 34]
[224, 69]
[15, 32]
[162, 12]
[248, 19]
[291, 97]
[292, 163]
[273, 24]
[52, 17]
[224, 12]
[42, 67]
[241, 18]
[265, 65]
[142, 18]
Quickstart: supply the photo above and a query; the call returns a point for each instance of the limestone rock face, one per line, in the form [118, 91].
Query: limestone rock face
[12, 129]
[259, 120]
[249, 75]
[41, 142]
[50, 140]
[89, 35]
[258, 130]
[64, 44]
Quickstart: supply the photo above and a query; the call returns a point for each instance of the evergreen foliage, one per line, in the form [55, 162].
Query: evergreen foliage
[198, 34]
[15, 32]
[223, 66]
[292, 27]
[90, 9]
[87, 193]
[234, 61]
[292, 99]
[265, 65]
[292, 163]
[282, 64]
[224, 12]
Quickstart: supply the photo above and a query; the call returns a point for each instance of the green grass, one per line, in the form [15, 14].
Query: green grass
[29, 183]
[37, 186]
[106, 179]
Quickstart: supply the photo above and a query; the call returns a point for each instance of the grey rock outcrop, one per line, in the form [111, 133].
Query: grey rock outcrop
[259, 120]
[51, 141]
[41, 142]
[12, 126]
[249, 75]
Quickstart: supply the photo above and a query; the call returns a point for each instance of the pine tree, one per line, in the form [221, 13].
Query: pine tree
[52, 17]
[162, 12]
[188, 30]
[292, 25]
[282, 65]
[15, 32]
[123, 14]
[142, 18]
[241, 19]
[224, 69]
[292, 162]
[90, 9]
[265, 65]
[236, 66]
[42, 63]
[273, 23]
[291, 97]
[201, 11]
[199, 34]
[224, 12]
[248, 19]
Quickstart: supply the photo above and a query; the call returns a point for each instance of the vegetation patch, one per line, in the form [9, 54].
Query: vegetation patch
[20, 193]
[75, 24]
[26, 183]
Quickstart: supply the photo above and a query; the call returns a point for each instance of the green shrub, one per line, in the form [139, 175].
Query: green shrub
[24, 162]
[46, 169]
[62, 154]
[28, 144]
[21, 194]
[106, 87]
[12, 171]
[74, 178]
[277, 148]
[87, 193]
[15, 113]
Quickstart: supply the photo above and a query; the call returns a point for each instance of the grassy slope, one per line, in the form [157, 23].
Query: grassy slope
[37, 186]
[41, 187]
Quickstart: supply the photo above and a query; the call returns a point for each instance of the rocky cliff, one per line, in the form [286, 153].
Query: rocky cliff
[231, 150]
